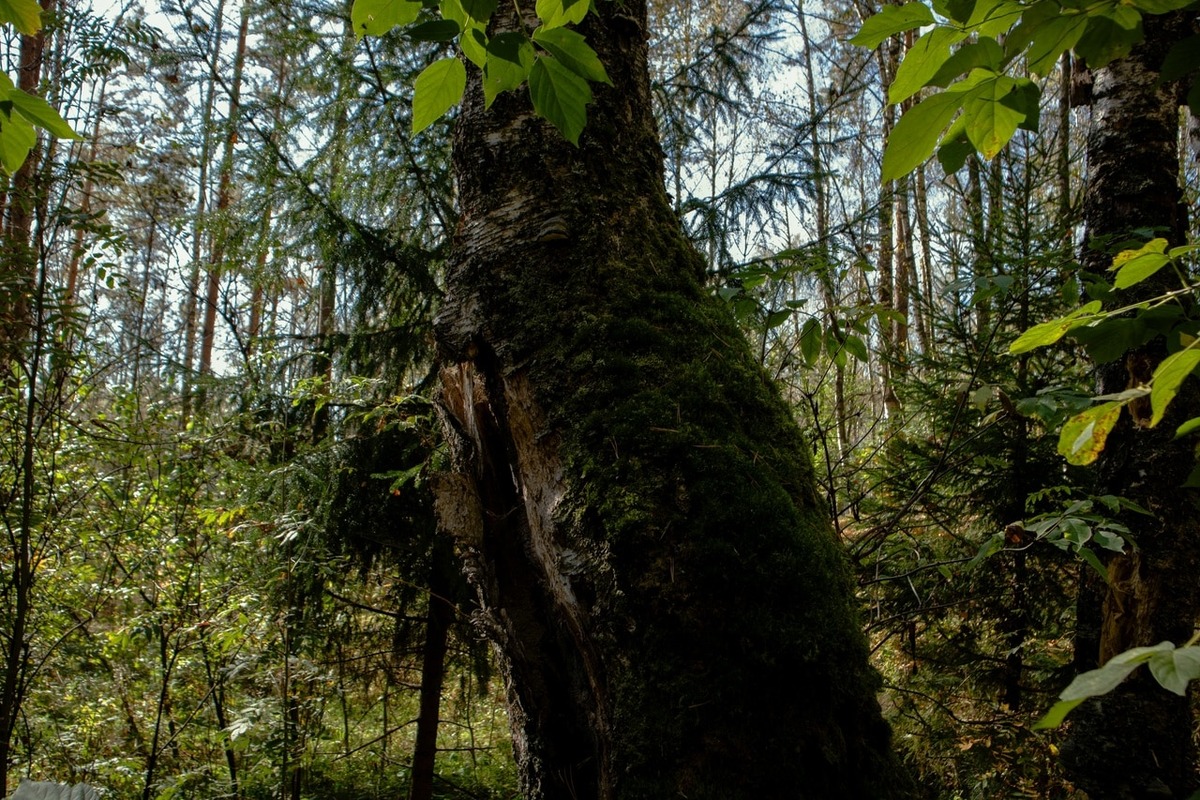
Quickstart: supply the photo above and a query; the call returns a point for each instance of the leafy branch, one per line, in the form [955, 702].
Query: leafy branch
[20, 111]
[1173, 667]
[1108, 333]
[555, 62]
[969, 53]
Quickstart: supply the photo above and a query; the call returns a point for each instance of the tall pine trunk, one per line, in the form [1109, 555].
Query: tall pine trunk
[1137, 741]
[635, 505]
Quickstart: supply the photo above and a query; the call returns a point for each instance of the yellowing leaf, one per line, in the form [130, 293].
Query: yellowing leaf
[1083, 436]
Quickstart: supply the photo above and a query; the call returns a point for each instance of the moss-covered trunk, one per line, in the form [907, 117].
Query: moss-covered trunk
[635, 505]
[1137, 741]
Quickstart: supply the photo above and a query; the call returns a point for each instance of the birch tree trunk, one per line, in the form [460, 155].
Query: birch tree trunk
[634, 504]
[1136, 742]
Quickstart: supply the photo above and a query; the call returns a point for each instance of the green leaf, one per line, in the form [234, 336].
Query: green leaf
[377, 17]
[990, 122]
[1083, 436]
[1183, 58]
[17, 138]
[1189, 427]
[957, 10]
[560, 96]
[857, 348]
[501, 75]
[42, 114]
[917, 133]
[436, 90]
[923, 60]
[985, 53]
[1047, 333]
[1167, 379]
[437, 30]
[890, 21]
[1174, 669]
[1055, 716]
[1026, 98]
[509, 59]
[810, 341]
[1110, 36]
[480, 10]
[992, 545]
[1093, 561]
[573, 52]
[557, 13]
[777, 318]
[994, 17]
[24, 15]
[1161, 6]
[1134, 266]
[1102, 681]
[1052, 39]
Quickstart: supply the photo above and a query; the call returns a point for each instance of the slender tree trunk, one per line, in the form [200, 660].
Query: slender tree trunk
[220, 236]
[826, 276]
[192, 300]
[1136, 742]
[925, 297]
[889, 59]
[637, 509]
[18, 267]
[438, 618]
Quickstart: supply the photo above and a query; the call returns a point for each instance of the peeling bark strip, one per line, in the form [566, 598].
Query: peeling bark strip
[631, 498]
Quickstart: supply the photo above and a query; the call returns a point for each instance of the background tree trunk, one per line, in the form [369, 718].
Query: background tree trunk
[1137, 741]
[634, 503]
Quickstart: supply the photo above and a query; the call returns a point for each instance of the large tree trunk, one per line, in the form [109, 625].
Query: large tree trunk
[1137, 741]
[635, 505]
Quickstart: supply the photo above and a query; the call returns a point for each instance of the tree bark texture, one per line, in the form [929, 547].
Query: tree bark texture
[1136, 742]
[633, 501]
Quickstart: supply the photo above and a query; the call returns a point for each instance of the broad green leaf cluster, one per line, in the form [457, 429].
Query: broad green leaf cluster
[1107, 333]
[20, 112]
[556, 62]
[980, 53]
[1173, 667]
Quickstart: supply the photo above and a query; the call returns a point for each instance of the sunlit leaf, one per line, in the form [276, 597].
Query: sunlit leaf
[922, 61]
[24, 15]
[1168, 377]
[1047, 333]
[990, 123]
[1083, 436]
[377, 17]
[890, 21]
[917, 134]
[557, 13]
[436, 90]
[17, 138]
